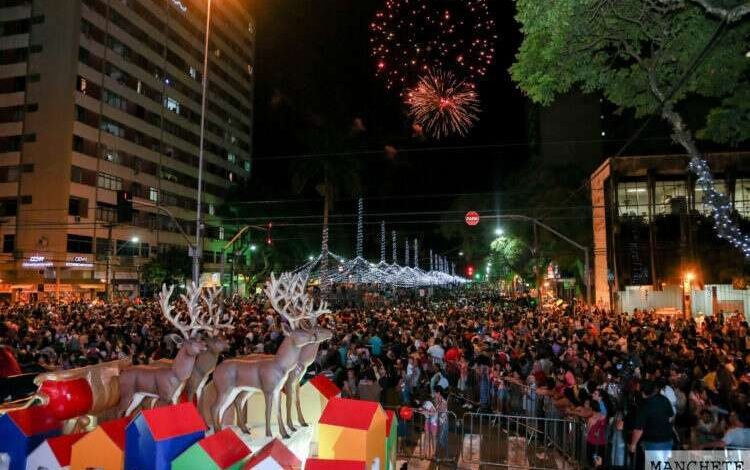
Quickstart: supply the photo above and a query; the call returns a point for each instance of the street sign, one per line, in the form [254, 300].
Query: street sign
[472, 218]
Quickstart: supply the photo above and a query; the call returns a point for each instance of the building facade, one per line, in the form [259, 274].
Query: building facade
[652, 229]
[103, 96]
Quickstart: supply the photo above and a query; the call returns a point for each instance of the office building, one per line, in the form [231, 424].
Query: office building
[99, 97]
[652, 231]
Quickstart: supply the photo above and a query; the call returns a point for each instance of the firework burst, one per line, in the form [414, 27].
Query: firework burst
[411, 37]
[442, 105]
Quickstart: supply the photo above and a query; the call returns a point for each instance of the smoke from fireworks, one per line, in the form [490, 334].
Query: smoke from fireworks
[443, 105]
[411, 37]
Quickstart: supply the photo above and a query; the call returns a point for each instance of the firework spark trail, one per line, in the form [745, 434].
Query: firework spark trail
[411, 37]
[443, 105]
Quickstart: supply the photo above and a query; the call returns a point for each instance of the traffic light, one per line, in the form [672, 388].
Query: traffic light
[469, 271]
[269, 236]
[124, 207]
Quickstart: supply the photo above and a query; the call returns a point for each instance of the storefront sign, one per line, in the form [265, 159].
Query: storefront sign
[79, 262]
[36, 262]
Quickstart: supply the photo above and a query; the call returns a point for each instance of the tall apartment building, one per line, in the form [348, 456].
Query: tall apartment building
[101, 96]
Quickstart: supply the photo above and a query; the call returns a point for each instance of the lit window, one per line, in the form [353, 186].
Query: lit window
[193, 73]
[246, 164]
[139, 87]
[742, 196]
[221, 233]
[232, 158]
[633, 198]
[231, 176]
[153, 194]
[111, 182]
[82, 85]
[211, 209]
[111, 155]
[670, 197]
[172, 105]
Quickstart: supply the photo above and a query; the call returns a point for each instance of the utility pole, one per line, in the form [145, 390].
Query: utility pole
[198, 248]
[108, 274]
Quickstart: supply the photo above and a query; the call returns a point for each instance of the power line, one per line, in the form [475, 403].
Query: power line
[378, 152]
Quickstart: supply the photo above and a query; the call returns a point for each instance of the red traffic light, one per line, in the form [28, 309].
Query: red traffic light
[470, 271]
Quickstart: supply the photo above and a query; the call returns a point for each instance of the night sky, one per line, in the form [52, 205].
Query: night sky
[316, 93]
[314, 70]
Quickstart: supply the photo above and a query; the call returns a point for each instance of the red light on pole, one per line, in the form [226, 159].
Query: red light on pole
[470, 271]
[269, 237]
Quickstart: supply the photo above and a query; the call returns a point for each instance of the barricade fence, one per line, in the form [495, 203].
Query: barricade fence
[521, 430]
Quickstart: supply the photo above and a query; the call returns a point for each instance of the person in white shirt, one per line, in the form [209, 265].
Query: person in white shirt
[737, 435]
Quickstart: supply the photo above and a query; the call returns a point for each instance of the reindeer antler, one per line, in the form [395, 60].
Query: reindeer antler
[166, 309]
[288, 296]
[280, 293]
[195, 321]
[215, 311]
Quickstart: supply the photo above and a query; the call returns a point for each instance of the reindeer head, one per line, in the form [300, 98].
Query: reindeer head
[288, 296]
[188, 327]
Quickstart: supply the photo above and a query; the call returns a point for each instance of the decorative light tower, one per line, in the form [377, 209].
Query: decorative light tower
[406, 253]
[324, 280]
[395, 255]
[382, 242]
[416, 254]
[360, 227]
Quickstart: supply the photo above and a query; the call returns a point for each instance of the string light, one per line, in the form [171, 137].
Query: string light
[360, 227]
[395, 255]
[361, 271]
[721, 208]
[382, 242]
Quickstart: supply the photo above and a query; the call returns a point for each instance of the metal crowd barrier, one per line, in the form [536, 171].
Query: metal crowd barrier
[419, 441]
[518, 441]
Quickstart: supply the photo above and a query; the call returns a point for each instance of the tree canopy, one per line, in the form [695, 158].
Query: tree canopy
[648, 55]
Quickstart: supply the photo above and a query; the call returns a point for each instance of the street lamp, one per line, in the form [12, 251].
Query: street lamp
[687, 286]
[253, 247]
[310, 258]
[498, 231]
[108, 279]
[198, 248]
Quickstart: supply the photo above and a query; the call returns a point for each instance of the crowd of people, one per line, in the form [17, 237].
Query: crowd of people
[665, 382]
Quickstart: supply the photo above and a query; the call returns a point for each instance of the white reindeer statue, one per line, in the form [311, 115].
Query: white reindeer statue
[288, 297]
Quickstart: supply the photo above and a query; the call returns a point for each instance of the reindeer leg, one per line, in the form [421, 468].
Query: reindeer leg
[241, 413]
[126, 394]
[216, 411]
[289, 389]
[299, 405]
[282, 428]
[269, 406]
